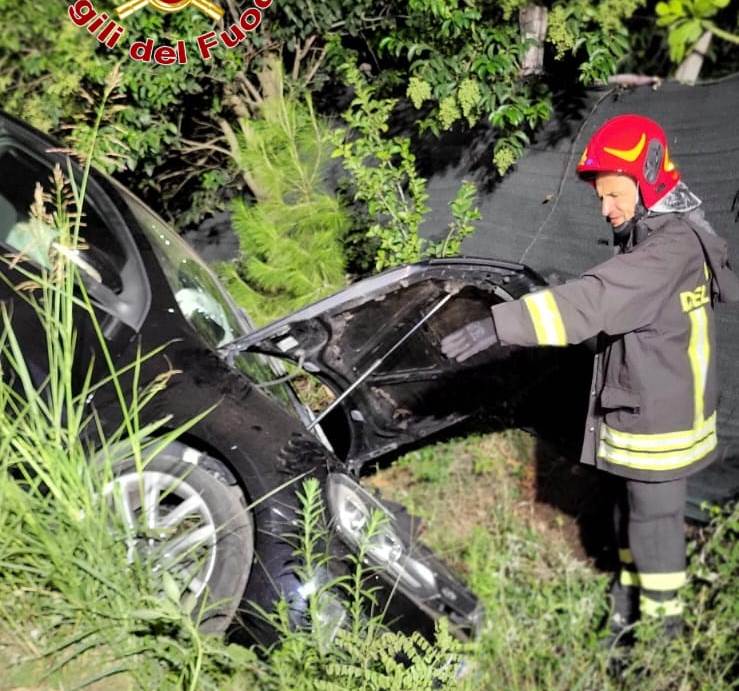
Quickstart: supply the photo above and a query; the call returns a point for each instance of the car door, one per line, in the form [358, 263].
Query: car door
[376, 345]
[107, 260]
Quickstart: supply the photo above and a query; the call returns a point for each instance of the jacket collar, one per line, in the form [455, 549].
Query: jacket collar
[657, 221]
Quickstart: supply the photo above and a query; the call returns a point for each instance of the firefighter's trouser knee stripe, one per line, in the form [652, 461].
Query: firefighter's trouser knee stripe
[629, 578]
[650, 607]
[625, 556]
[660, 582]
[652, 552]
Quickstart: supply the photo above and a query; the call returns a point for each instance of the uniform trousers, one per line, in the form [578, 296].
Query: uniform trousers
[649, 523]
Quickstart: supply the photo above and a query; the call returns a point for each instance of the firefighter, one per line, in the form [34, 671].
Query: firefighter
[651, 418]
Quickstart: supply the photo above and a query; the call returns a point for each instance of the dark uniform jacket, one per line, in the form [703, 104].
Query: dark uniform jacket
[653, 398]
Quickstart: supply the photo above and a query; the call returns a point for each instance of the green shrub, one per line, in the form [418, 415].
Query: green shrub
[388, 194]
[290, 236]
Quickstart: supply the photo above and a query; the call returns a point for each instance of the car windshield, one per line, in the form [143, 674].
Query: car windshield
[204, 303]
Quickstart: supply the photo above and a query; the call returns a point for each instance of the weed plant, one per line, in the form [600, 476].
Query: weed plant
[344, 642]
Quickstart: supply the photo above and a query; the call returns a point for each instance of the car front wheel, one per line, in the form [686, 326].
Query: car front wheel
[185, 520]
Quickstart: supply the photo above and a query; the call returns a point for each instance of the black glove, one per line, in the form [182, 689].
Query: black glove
[470, 339]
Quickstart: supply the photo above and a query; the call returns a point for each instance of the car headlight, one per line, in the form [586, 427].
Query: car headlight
[351, 507]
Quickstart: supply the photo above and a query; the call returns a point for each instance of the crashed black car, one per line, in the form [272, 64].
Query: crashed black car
[376, 345]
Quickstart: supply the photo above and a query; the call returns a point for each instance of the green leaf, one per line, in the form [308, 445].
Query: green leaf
[171, 589]
[146, 614]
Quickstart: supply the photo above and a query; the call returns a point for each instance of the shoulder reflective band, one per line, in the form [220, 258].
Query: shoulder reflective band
[544, 313]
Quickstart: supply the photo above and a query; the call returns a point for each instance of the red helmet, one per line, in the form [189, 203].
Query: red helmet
[636, 146]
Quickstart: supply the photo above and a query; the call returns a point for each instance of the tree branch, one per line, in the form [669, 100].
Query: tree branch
[725, 35]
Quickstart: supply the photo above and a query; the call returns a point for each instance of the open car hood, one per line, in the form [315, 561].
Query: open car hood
[376, 345]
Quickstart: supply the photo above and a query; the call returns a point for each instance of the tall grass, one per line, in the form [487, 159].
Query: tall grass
[80, 608]
[544, 603]
[76, 607]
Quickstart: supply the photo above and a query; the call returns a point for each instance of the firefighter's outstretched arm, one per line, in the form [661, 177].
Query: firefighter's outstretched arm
[620, 295]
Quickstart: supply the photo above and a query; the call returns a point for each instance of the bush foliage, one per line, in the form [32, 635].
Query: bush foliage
[290, 234]
[458, 62]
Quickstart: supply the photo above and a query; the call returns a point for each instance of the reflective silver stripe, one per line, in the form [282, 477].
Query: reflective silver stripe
[544, 313]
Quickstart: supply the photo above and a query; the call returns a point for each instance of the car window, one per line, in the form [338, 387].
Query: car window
[204, 302]
[100, 256]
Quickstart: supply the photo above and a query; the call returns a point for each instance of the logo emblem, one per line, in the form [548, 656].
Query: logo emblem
[205, 6]
[668, 165]
[629, 155]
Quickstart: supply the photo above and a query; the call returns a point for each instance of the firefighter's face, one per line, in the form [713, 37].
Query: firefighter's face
[617, 194]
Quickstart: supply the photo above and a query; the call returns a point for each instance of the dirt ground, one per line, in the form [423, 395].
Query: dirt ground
[559, 499]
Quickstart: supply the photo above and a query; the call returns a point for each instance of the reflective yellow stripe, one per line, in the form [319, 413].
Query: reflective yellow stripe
[665, 460]
[653, 608]
[698, 354]
[705, 271]
[667, 441]
[625, 556]
[662, 581]
[629, 155]
[629, 578]
[548, 324]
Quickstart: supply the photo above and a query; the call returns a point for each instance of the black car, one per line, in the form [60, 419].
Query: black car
[225, 493]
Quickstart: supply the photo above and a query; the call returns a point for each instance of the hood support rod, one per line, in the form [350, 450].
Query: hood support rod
[380, 360]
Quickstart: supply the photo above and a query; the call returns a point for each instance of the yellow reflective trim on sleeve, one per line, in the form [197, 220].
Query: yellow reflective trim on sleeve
[654, 608]
[544, 313]
[662, 581]
[698, 354]
[625, 556]
[629, 578]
